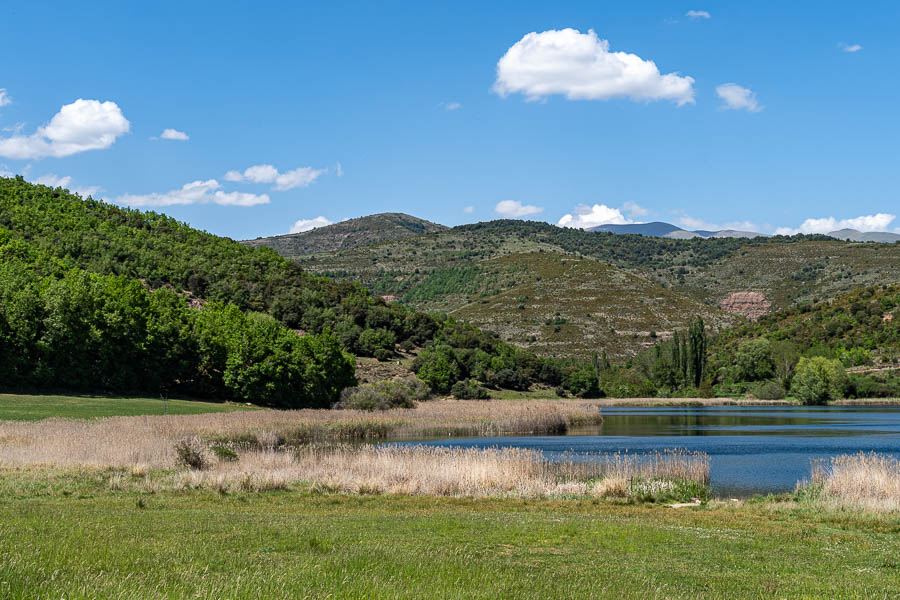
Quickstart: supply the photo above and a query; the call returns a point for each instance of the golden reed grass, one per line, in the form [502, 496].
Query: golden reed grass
[868, 481]
[150, 440]
[142, 446]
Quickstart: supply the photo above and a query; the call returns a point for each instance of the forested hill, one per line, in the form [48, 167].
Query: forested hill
[93, 297]
[351, 233]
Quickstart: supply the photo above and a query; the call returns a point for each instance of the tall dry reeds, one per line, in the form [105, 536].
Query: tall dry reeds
[868, 481]
[438, 471]
[150, 440]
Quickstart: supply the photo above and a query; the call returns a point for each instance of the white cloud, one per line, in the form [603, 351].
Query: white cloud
[635, 210]
[453, 106]
[692, 224]
[877, 222]
[469, 210]
[174, 134]
[591, 216]
[54, 181]
[581, 67]
[196, 192]
[4, 97]
[514, 208]
[339, 170]
[737, 97]
[845, 47]
[698, 14]
[77, 127]
[307, 224]
[5, 172]
[301, 177]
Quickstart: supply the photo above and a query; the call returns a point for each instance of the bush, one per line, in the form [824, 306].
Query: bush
[192, 453]
[818, 380]
[468, 389]
[224, 453]
[507, 379]
[384, 355]
[372, 340]
[583, 383]
[769, 390]
[384, 395]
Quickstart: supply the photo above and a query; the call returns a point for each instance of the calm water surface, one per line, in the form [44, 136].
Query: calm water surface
[751, 449]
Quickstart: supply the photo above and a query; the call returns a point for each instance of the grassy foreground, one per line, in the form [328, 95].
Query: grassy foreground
[66, 534]
[14, 407]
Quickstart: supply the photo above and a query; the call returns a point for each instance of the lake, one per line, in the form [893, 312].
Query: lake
[751, 449]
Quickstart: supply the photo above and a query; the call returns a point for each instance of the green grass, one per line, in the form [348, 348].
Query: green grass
[69, 536]
[15, 407]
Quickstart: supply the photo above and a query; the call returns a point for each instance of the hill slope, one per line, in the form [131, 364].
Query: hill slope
[351, 233]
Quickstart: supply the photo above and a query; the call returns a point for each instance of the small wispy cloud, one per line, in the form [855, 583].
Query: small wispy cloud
[174, 134]
[736, 97]
[54, 181]
[307, 224]
[514, 208]
[5, 100]
[195, 192]
[698, 14]
[300, 177]
[850, 47]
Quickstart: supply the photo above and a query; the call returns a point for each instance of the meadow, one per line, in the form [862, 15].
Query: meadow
[32, 407]
[263, 503]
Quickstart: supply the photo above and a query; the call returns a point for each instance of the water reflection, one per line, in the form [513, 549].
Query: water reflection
[751, 449]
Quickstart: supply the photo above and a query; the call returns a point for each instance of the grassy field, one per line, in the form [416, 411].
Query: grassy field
[68, 535]
[15, 407]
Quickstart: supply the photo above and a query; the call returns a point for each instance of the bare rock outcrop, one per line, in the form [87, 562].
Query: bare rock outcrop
[752, 305]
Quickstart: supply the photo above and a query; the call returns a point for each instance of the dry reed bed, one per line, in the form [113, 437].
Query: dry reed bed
[437, 471]
[868, 481]
[148, 441]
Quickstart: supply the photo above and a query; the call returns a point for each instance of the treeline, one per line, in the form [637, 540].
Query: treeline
[88, 332]
[79, 315]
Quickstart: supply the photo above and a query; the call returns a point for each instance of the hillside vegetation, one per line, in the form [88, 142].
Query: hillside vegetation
[480, 272]
[351, 233]
[95, 297]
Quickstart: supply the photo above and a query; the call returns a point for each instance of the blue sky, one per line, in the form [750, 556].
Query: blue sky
[452, 112]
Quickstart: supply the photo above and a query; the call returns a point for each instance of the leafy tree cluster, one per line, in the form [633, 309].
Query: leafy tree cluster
[89, 332]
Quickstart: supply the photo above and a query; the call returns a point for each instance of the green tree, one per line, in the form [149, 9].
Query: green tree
[753, 360]
[818, 380]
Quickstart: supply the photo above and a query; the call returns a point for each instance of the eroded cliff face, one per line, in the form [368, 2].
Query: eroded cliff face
[752, 305]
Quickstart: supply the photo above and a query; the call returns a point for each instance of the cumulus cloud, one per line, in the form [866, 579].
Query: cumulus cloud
[307, 224]
[77, 127]
[580, 66]
[698, 14]
[301, 177]
[845, 47]
[877, 222]
[736, 97]
[590, 216]
[635, 210]
[174, 134]
[4, 97]
[196, 192]
[468, 209]
[54, 181]
[514, 208]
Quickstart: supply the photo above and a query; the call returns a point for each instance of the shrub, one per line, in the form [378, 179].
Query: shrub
[224, 453]
[818, 380]
[769, 390]
[371, 340]
[192, 453]
[583, 383]
[468, 389]
[507, 379]
[384, 395]
[383, 354]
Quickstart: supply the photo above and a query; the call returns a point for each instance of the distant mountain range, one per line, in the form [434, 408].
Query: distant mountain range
[852, 235]
[667, 230]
